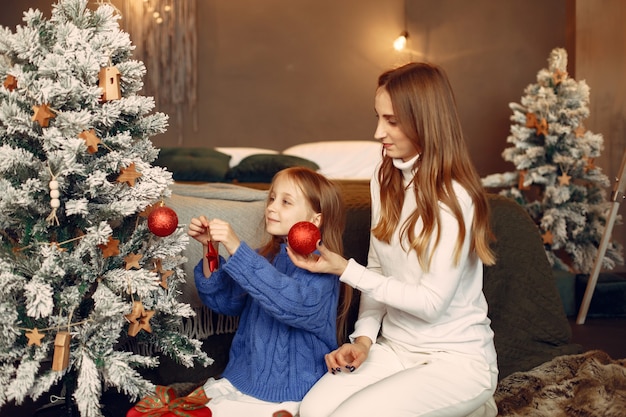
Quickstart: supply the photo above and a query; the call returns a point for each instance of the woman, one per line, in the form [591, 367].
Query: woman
[422, 344]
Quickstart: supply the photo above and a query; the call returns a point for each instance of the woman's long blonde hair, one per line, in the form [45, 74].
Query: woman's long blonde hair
[425, 108]
[324, 197]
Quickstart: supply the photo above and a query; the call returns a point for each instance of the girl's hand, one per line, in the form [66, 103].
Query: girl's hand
[199, 230]
[221, 231]
[327, 262]
[349, 356]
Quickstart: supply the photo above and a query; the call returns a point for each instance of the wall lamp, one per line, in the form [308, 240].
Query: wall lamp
[400, 42]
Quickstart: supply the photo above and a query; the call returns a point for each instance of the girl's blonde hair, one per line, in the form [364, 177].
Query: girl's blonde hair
[425, 108]
[324, 197]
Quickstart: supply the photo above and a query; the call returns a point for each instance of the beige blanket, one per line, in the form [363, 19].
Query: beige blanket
[591, 384]
[240, 206]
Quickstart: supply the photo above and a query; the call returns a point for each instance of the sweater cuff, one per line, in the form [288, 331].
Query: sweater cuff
[352, 274]
[358, 276]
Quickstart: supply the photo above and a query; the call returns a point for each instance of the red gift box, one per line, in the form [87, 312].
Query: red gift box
[166, 404]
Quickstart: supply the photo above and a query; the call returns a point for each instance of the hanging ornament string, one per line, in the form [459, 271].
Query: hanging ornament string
[57, 244]
[36, 330]
[55, 203]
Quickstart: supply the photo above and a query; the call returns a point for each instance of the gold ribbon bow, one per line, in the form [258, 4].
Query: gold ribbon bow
[166, 401]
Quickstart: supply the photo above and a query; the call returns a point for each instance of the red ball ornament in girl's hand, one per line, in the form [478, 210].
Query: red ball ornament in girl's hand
[162, 221]
[303, 237]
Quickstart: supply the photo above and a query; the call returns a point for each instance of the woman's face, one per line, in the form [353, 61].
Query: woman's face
[395, 143]
[286, 206]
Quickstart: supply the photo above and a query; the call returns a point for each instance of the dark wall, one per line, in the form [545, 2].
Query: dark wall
[275, 73]
[491, 50]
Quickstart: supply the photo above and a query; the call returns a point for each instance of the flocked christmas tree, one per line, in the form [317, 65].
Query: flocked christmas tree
[89, 258]
[556, 178]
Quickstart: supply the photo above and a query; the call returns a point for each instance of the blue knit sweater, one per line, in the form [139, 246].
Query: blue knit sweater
[287, 322]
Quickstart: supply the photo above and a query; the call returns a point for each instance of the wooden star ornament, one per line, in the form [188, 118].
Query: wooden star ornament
[144, 321]
[165, 274]
[91, 140]
[132, 261]
[139, 319]
[531, 120]
[548, 238]
[564, 179]
[542, 127]
[111, 248]
[132, 317]
[135, 312]
[558, 76]
[129, 175]
[580, 131]
[34, 337]
[10, 82]
[42, 115]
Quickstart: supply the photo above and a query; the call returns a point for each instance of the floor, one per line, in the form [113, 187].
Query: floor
[607, 334]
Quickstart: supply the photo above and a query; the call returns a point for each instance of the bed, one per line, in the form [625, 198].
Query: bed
[352, 160]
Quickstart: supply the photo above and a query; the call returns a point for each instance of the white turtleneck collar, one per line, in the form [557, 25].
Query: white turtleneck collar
[406, 168]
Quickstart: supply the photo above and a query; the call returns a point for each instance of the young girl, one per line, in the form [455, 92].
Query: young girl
[287, 314]
[422, 345]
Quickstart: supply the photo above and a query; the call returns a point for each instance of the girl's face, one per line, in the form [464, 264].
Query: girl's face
[395, 143]
[287, 206]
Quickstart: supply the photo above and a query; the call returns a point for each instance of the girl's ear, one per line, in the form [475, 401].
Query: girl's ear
[317, 219]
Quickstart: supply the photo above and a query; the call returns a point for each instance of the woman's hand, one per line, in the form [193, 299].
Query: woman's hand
[327, 262]
[348, 356]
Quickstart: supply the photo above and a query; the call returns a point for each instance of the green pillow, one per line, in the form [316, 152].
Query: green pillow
[194, 164]
[263, 167]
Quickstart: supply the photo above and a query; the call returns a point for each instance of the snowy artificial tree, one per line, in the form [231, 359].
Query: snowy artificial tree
[90, 259]
[556, 179]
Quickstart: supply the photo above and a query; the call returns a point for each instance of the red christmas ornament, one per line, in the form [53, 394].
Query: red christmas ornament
[303, 237]
[213, 257]
[162, 221]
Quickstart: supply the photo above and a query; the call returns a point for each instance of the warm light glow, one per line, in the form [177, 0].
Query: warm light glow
[400, 41]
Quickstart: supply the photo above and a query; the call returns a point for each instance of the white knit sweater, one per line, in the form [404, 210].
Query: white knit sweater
[440, 310]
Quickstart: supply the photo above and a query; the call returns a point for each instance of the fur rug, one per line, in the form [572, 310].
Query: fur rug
[591, 384]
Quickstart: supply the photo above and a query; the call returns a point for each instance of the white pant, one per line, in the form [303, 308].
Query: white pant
[398, 383]
[228, 401]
